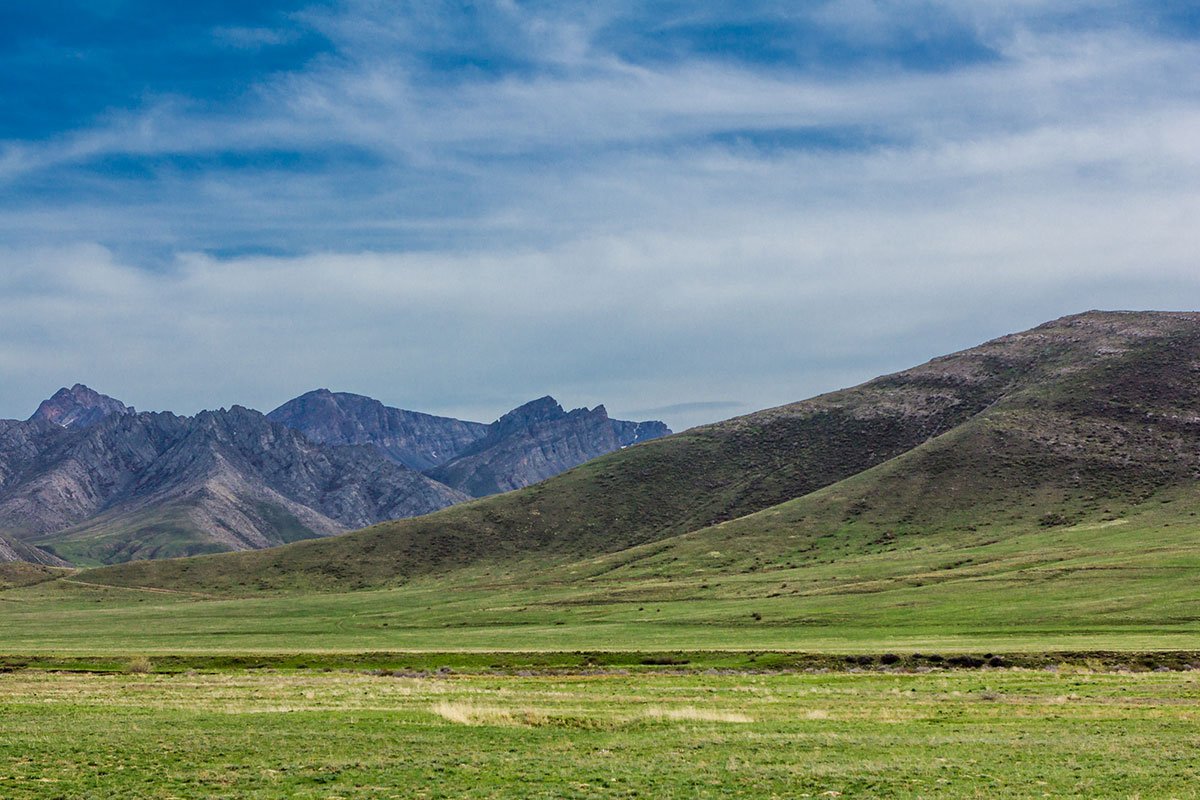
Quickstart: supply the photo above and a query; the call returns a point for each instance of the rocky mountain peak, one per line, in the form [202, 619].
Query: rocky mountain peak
[599, 411]
[411, 438]
[544, 409]
[317, 398]
[537, 440]
[79, 407]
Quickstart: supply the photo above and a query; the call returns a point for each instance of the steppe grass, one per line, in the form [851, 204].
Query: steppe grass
[762, 583]
[993, 733]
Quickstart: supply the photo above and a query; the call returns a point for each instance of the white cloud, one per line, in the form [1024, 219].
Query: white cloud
[781, 303]
[580, 231]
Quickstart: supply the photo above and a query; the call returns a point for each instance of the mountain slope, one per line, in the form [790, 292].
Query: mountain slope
[15, 551]
[60, 477]
[416, 440]
[536, 441]
[1105, 374]
[92, 480]
[142, 485]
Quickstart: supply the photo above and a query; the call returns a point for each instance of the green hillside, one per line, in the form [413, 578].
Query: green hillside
[1050, 426]
[161, 531]
[763, 583]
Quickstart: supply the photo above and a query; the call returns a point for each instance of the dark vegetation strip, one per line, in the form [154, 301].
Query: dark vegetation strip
[412, 664]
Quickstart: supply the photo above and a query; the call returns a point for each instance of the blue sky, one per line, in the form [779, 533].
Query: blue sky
[688, 210]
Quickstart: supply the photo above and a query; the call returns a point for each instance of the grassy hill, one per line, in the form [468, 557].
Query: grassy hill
[1048, 425]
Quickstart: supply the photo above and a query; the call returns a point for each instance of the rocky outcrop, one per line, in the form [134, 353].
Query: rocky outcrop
[537, 441]
[79, 407]
[14, 550]
[416, 440]
[528, 444]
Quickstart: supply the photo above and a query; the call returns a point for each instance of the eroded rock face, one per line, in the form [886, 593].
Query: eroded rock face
[137, 485]
[79, 407]
[532, 442]
[537, 441]
[14, 550]
[416, 440]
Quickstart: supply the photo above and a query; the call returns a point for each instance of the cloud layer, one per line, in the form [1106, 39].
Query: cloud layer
[700, 211]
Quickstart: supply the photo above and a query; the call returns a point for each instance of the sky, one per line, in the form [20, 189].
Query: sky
[682, 210]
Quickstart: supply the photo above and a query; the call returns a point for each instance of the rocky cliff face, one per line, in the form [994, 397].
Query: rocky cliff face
[528, 444]
[79, 407]
[537, 441]
[416, 440]
[138, 485]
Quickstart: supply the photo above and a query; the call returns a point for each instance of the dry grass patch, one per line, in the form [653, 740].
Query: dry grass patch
[139, 666]
[693, 714]
[475, 714]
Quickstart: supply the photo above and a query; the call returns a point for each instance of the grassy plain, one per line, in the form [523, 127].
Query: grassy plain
[765, 582]
[311, 734]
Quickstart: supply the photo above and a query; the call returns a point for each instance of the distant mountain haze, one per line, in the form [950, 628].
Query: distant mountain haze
[90, 480]
[537, 441]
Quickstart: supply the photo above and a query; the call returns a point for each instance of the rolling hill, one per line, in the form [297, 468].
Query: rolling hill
[1062, 425]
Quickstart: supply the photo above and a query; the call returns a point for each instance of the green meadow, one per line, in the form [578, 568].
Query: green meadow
[351, 734]
[1126, 583]
[1045, 662]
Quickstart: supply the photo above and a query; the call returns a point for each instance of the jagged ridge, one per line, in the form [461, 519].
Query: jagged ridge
[91, 479]
[417, 440]
[137, 485]
[537, 441]
[528, 444]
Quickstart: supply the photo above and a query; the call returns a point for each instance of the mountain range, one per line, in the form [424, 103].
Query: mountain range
[1073, 426]
[87, 479]
[528, 444]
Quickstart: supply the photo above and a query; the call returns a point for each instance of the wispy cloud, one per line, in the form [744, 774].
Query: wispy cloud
[614, 208]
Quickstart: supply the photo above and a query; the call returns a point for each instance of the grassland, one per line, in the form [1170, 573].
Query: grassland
[995, 734]
[803, 576]
[1059, 525]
